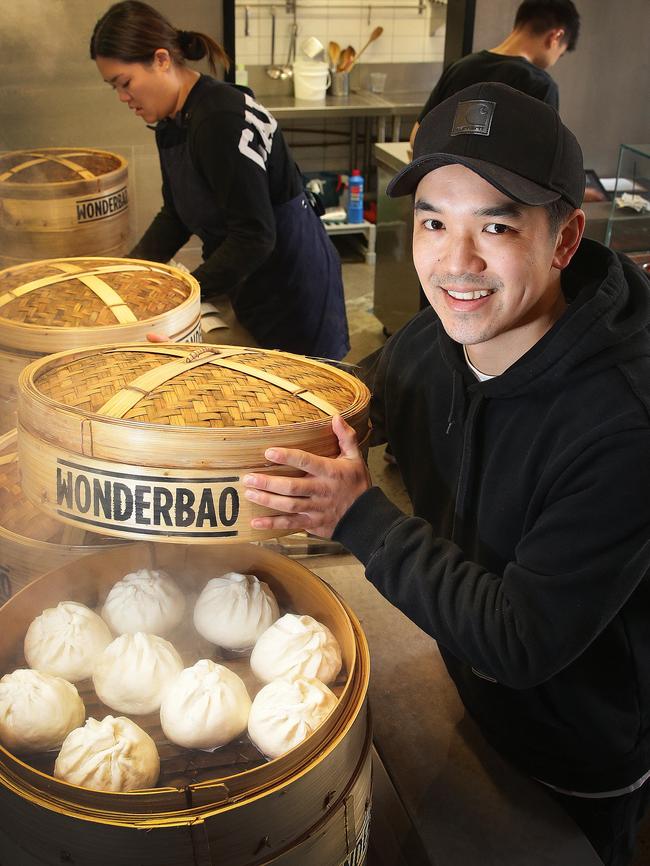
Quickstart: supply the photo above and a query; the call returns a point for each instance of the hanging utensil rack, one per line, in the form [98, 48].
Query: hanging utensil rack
[292, 6]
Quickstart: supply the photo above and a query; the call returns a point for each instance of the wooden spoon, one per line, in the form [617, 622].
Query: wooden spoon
[334, 52]
[376, 33]
[346, 59]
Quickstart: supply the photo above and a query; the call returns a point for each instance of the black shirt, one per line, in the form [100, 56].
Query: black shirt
[225, 166]
[488, 66]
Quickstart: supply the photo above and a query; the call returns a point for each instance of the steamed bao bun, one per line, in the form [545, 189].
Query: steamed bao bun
[286, 711]
[205, 707]
[113, 754]
[145, 600]
[37, 711]
[66, 641]
[233, 610]
[134, 670]
[296, 646]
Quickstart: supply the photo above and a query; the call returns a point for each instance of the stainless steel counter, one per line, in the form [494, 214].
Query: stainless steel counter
[359, 104]
[457, 802]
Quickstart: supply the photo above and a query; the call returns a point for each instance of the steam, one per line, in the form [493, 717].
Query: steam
[36, 32]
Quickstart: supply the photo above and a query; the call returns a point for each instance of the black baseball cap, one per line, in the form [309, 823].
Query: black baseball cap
[513, 141]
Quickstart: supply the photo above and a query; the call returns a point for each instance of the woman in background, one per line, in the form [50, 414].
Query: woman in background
[228, 177]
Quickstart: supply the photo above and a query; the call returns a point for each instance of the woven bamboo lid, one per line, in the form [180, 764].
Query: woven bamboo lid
[45, 166]
[58, 304]
[176, 426]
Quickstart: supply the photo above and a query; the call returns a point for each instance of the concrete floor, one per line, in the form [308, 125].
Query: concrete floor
[366, 335]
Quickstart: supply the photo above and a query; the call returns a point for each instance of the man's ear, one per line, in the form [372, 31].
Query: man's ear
[553, 36]
[568, 239]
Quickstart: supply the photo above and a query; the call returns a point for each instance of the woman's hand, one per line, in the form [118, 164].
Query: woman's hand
[317, 500]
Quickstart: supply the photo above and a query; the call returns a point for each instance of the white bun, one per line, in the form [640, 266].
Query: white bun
[113, 754]
[296, 646]
[205, 707]
[144, 600]
[66, 641]
[134, 670]
[233, 610]
[286, 711]
[37, 711]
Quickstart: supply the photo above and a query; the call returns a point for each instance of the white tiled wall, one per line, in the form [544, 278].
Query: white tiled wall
[405, 38]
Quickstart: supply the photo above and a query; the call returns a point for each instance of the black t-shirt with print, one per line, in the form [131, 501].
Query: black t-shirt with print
[225, 166]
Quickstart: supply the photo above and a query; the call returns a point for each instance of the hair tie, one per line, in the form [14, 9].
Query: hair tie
[185, 39]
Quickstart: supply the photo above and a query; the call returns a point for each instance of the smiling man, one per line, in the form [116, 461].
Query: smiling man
[518, 408]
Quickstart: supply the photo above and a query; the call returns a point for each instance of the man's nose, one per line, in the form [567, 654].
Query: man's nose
[462, 256]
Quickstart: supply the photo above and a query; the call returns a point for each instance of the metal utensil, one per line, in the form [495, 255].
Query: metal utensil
[274, 71]
[376, 33]
[287, 69]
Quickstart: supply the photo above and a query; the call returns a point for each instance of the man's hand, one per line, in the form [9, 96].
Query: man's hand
[317, 500]
[152, 337]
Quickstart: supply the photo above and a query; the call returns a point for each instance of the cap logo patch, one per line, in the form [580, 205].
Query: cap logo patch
[473, 117]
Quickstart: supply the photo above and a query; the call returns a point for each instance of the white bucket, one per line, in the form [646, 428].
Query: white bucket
[311, 78]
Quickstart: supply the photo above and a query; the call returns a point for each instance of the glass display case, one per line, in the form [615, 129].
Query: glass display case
[628, 226]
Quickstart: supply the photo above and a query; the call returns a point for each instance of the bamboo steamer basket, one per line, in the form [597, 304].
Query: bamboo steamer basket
[59, 304]
[58, 201]
[150, 441]
[310, 807]
[31, 542]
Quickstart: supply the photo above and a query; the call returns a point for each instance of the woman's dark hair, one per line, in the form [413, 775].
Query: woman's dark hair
[133, 31]
[543, 15]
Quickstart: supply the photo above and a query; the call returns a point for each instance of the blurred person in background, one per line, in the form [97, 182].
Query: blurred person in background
[543, 30]
[229, 177]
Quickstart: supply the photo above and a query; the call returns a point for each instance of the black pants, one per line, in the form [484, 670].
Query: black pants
[611, 824]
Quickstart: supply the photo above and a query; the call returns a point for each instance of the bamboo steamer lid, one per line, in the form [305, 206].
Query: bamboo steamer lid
[58, 201]
[151, 441]
[32, 542]
[309, 807]
[57, 304]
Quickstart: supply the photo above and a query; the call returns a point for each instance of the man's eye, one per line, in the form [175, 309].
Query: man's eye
[497, 229]
[432, 225]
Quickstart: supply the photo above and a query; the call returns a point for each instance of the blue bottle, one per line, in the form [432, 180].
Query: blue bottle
[355, 197]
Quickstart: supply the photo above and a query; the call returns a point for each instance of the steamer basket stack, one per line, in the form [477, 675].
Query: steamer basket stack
[55, 304]
[32, 543]
[58, 201]
[148, 443]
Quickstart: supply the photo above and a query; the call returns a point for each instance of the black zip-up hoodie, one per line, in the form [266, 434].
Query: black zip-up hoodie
[529, 553]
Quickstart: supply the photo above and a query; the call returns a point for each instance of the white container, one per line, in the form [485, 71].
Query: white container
[311, 78]
[312, 47]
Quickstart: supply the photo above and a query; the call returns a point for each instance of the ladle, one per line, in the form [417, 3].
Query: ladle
[287, 69]
[274, 71]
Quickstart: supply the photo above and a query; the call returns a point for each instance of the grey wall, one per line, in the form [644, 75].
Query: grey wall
[604, 84]
[52, 94]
